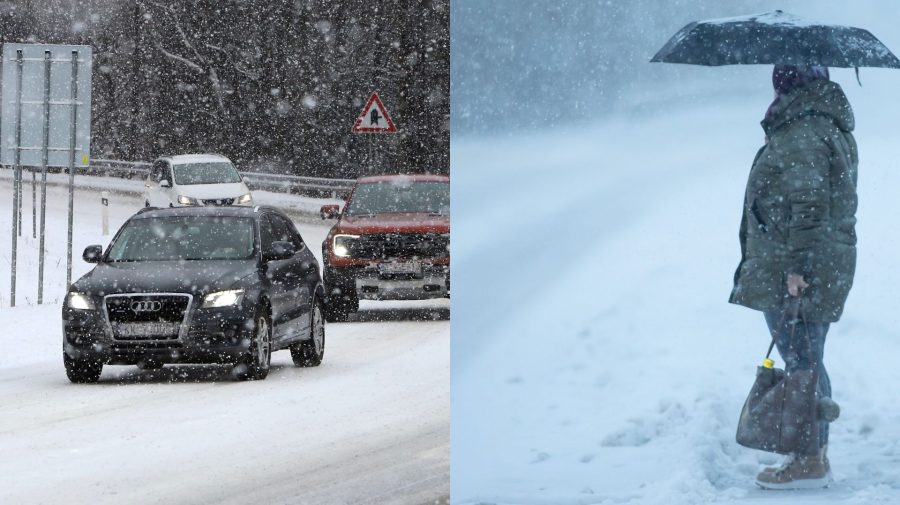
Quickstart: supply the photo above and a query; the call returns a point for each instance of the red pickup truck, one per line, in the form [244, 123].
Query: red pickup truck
[391, 242]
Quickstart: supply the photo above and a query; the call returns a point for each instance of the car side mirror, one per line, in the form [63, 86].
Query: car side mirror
[165, 183]
[281, 251]
[330, 211]
[92, 253]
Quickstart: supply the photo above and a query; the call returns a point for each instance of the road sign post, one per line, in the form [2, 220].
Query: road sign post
[51, 120]
[104, 212]
[374, 118]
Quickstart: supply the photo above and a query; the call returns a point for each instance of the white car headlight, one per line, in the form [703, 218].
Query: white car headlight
[226, 298]
[342, 244]
[80, 301]
[244, 200]
[186, 200]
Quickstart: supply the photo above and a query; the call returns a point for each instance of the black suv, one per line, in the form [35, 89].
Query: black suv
[196, 285]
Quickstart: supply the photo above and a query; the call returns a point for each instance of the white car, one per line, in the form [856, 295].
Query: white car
[195, 180]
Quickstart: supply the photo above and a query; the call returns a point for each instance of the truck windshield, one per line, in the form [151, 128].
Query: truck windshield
[185, 238]
[404, 196]
[205, 173]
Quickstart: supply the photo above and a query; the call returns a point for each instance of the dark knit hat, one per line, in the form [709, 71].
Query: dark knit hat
[785, 78]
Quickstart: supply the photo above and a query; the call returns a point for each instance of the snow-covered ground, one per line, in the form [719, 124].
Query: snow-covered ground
[370, 425]
[595, 357]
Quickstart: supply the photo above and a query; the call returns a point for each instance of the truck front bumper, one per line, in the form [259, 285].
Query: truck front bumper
[434, 282]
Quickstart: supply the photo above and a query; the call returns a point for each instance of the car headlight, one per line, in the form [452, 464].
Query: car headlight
[244, 199]
[226, 298]
[80, 301]
[186, 200]
[342, 244]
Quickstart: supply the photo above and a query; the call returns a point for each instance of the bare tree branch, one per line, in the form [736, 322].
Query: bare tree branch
[182, 59]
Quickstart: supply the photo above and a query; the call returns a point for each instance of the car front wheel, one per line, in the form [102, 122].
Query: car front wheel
[256, 363]
[82, 371]
[310, 352]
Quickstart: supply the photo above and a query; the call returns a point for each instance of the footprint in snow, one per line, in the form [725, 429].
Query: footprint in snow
[541, 457]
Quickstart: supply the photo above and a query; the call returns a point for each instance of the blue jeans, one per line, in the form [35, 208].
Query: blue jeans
[804, 353]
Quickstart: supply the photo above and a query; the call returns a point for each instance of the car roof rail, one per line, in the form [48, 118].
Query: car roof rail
[146, 209]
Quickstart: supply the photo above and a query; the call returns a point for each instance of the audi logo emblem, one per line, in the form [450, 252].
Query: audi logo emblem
[146, 306]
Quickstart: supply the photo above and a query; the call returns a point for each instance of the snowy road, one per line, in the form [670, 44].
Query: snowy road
[371, 425]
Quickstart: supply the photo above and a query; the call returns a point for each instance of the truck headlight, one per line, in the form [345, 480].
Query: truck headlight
[227, 298]
[244, 200]
[80, 301]
[186, 200]
[342, 244]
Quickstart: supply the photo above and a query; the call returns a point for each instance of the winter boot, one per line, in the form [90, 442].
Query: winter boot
[788, 458]
[773, 469]
[827, 409]
[797, 472]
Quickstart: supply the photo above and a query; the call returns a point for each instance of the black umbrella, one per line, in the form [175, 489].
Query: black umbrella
[774, 38]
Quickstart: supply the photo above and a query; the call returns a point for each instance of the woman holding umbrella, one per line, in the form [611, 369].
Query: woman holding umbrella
[798, 242]
[797, 234]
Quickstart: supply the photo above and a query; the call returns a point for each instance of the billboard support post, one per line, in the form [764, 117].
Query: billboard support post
[17, 180]
[33, 206]
[45, 154]
[49, 89]
[72, 145]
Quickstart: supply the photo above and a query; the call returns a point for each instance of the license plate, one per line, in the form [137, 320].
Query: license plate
[404, 267]
[144, 330]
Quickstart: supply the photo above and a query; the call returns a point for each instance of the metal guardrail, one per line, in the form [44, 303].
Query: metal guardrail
[120, 169]
[311, 186]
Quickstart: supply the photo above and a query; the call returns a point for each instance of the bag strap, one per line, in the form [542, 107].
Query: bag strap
[795, 304]
[809, 346]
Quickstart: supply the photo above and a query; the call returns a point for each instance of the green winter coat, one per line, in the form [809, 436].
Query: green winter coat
[800, 205]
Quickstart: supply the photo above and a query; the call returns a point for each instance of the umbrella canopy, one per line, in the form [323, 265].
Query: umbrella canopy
[774, 38]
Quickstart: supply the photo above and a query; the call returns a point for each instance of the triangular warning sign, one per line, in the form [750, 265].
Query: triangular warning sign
[374, 118]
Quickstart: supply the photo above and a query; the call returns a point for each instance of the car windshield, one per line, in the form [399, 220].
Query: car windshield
[185, 238]
[400, 196]
[220, 172]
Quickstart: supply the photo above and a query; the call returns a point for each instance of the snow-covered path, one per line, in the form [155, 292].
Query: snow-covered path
[370, 425]
[610, 368]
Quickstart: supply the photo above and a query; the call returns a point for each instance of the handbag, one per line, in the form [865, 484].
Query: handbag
[780, 413]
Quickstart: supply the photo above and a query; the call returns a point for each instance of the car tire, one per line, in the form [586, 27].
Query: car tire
[256, 364]
[309, 352]
[82, 371]
[338, 308]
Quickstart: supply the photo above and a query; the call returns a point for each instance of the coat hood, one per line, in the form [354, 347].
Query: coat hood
[819, 97]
